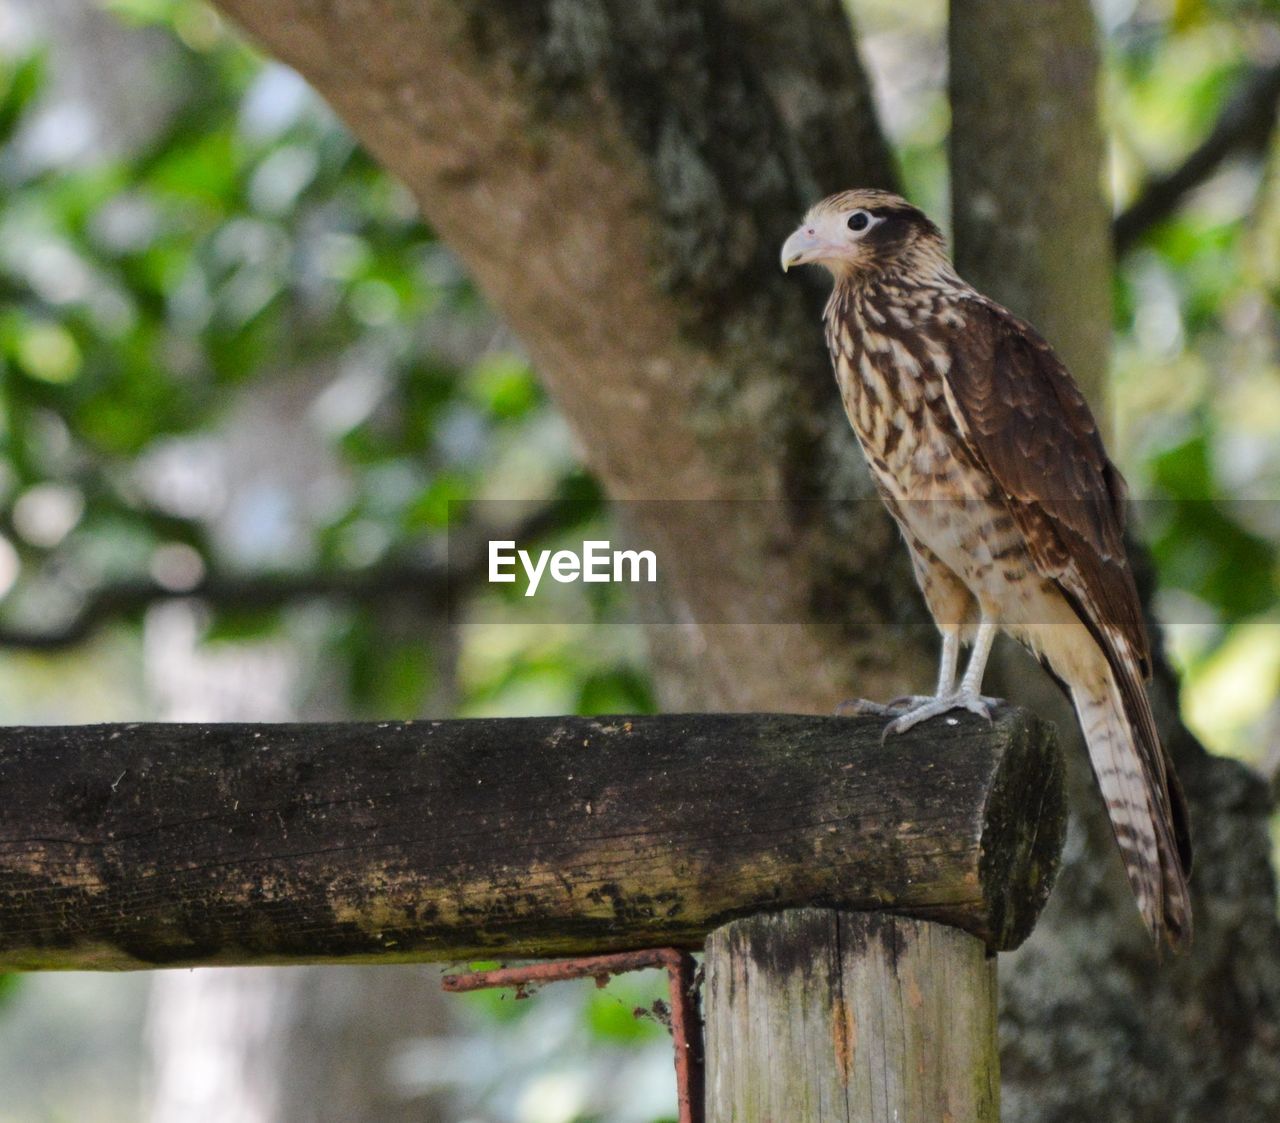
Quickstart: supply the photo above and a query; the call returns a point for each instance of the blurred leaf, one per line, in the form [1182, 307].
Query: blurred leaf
[1199, 547]
[504, 385]
[47, 351]
[619, 690]
[205, 170]
[611, 1011]
[230, 625]
[499, 1005]
[20, 82]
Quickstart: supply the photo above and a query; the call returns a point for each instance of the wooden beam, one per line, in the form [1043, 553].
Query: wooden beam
[145, 845]
[817, 1016]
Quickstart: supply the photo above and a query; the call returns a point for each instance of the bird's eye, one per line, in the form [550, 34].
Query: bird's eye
[859, 220]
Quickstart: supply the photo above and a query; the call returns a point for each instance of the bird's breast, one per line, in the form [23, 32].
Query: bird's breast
[891, 384]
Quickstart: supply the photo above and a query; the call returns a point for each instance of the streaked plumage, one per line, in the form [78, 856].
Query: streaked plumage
[988, 458]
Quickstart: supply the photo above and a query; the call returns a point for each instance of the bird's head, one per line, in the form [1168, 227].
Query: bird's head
[864, 232]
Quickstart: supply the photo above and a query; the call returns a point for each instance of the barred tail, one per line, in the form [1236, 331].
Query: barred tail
[1143, 801]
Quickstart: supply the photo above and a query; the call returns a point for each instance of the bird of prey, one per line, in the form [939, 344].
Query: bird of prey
[986, 455]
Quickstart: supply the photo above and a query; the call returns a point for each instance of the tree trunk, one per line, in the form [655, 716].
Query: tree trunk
[1032, 227]
[292, 1044]
[618, 178]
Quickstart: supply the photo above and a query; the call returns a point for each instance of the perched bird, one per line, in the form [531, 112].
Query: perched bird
[986, 454]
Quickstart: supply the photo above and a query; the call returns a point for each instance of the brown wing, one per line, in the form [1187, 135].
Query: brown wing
[1027, 423]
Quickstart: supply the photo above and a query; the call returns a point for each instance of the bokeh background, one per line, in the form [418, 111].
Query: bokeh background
[243, 387]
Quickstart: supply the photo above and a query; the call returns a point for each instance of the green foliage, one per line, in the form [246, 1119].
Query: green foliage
[20, 81]
[1199, 546]
[152, 301]
[1197, 386]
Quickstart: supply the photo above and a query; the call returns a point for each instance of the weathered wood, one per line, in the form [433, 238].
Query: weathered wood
[818, 1016]
[144, 845]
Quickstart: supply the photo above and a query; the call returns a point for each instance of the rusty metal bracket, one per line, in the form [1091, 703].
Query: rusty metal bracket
[686, 1023]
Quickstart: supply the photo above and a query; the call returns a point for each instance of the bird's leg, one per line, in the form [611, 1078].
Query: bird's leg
[968, 697]
[908, 702]
[947, 665]
[971, 684]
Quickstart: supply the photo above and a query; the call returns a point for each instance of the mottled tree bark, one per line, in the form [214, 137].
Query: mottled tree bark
[1032, 227]
[1092, 1028]
[617, 178]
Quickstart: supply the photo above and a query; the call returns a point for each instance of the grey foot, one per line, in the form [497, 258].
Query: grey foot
[936, 707]
[864, 707]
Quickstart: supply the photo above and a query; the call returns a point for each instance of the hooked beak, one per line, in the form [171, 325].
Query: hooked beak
[801, 248]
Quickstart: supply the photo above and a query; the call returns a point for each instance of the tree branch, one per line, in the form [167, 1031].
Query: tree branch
[1245, 126]
[254, 592]
[431, 582]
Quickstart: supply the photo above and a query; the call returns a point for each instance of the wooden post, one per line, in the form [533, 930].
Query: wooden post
[170, 845]
[819, 1016]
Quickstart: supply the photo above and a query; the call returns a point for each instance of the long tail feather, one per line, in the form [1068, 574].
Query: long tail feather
[1143, 802]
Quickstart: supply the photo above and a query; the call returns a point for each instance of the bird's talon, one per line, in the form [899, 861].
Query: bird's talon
[861, 707]
[864, 707]
[906, 702]
[980, 705]
[936, 707]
